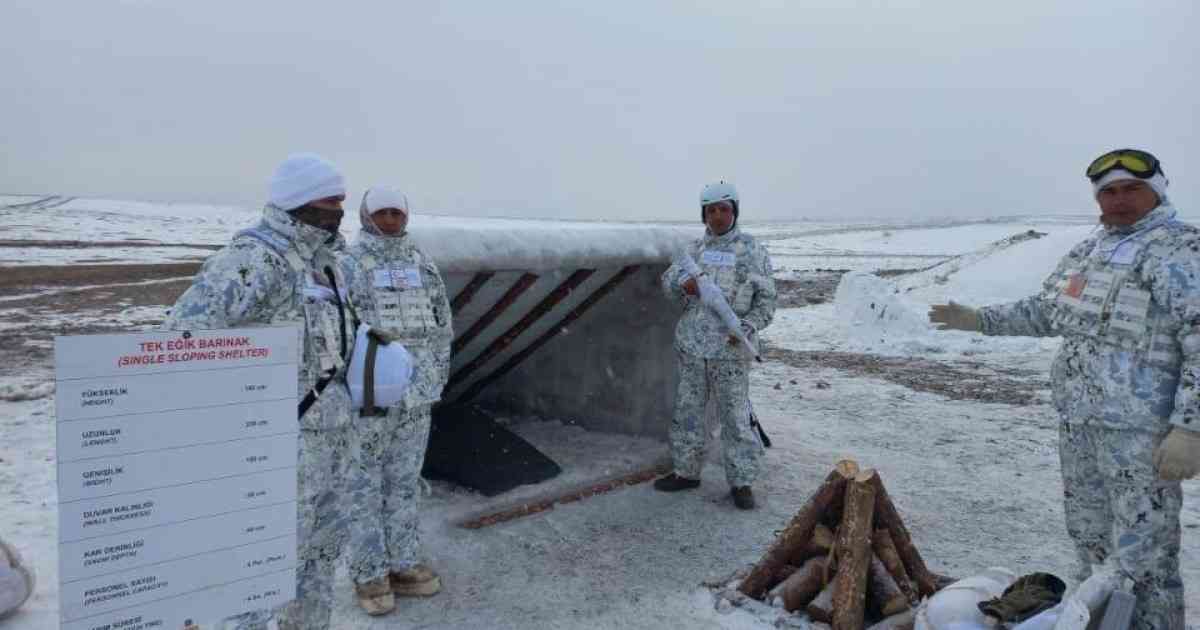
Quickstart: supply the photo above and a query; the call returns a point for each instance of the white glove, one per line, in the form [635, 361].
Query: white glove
[954, 316]
[1178, 457]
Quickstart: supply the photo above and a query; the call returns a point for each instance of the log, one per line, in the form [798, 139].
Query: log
[853, 550]
[802, 586]
[820, 543]
[886, 516]
[882, 590]
[885, 549]
[798, 532]
[821, 607]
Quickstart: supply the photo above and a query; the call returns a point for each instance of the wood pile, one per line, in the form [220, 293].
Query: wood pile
[846, 558]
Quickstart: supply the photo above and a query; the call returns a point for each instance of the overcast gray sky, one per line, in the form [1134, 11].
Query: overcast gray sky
[611, 109]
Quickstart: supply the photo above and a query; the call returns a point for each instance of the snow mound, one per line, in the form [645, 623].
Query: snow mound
[872, 315]
[15, 392]
[866, 304]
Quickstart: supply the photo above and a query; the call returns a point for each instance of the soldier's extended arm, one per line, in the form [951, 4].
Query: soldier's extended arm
[1029, 317]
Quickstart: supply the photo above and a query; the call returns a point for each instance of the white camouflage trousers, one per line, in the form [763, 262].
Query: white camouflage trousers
[728, 382]
[386, 456]
[1117, 506]
[321, 527]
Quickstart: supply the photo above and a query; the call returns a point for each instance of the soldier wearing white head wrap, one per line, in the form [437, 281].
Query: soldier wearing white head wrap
[1126, 381]
[399, 292]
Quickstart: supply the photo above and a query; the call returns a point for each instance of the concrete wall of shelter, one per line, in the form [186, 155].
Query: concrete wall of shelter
[612, 371]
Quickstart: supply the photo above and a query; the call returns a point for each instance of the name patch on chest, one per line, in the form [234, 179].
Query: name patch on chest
[718, 259]
[398, 278]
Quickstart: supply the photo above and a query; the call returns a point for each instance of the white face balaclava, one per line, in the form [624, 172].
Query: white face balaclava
[375, 199]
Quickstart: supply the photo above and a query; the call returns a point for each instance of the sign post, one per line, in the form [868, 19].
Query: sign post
[176, 476]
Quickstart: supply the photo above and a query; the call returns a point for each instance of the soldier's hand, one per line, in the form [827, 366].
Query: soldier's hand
[954, 316]
[747, 329]
[1178, 457]
[690, 287]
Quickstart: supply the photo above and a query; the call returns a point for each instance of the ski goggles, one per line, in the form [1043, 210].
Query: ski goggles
[1139, 163]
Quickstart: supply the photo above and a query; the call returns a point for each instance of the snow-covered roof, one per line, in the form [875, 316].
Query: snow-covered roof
[464, 245]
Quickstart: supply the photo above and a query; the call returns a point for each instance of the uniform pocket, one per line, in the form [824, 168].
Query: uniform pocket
[744, 298]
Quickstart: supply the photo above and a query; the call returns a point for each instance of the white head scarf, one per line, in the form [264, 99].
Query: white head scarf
[375, 199]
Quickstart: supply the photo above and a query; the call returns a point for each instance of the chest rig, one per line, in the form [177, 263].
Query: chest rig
[720, 262]
[1105, 296]
[328, 326]
[403, 301]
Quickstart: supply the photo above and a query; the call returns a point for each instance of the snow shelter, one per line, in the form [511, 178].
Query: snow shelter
[562, 320]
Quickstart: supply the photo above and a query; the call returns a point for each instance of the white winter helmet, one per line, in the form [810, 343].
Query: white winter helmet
[719, 191]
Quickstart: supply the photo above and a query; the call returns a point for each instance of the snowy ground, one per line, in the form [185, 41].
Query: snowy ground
[957, 424]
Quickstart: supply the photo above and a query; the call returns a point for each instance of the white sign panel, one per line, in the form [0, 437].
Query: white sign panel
[176, 476]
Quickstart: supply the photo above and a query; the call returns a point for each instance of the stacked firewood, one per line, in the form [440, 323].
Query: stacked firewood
[846, 558]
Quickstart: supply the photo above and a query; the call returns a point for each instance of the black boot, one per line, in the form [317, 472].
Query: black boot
[743, 497]
[675, 483]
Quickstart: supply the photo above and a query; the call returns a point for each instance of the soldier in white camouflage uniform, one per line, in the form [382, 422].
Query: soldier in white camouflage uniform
[283, 272]
[712, 362]
[399, 292]
[1127, 303]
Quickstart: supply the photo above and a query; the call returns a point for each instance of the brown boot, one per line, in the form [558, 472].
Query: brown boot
[375, 597]
[419, 581]
[675, 483]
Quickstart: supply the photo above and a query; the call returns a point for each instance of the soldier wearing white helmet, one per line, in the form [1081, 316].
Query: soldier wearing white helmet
[713, 362]
[1126, 381]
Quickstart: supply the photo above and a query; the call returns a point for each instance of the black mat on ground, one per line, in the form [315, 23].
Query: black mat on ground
[466, 446]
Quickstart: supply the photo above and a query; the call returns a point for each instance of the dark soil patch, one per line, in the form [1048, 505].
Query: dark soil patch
[56, 293]
[819, 285]
[32, 279]
[810, 287]
[51, 244]
[956, 380]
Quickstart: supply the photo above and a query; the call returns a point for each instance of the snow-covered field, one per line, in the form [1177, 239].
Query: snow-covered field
[958, 425]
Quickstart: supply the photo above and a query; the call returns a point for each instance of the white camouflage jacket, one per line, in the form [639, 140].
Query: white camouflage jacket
[742, 269]
[398, 290]
[1127, 304]
[275, 274]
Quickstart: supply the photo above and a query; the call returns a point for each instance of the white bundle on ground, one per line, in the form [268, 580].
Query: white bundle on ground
[956, 607]
[16, 579]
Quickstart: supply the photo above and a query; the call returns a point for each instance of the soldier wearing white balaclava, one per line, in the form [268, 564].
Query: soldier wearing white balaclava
[284, 271]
